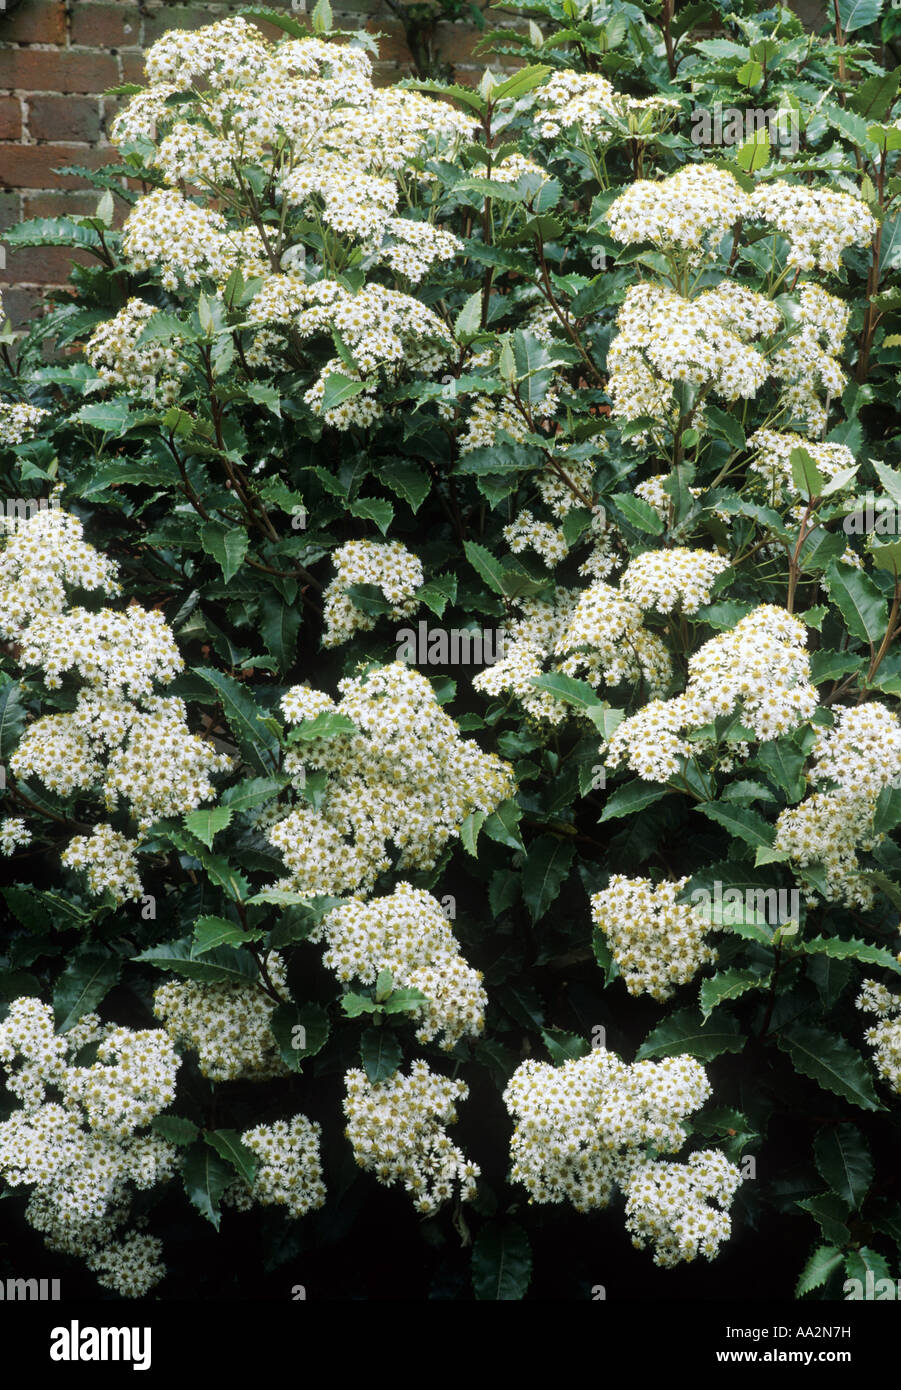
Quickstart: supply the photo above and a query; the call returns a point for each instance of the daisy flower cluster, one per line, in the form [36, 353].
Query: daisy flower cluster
[820, 223]
[807, 364]
[120, 737]
[665, 339]
[718, 339]
[759, 669]
[590, 102]
[405, 777]
[681, 1209]
[390, 566]
[595, 634]
[289, 1169]
[772, 461]
[657, 942]
[604, 638]
[596, 1123]
[226, 1025]
[168, 233]
[525, 532]
[855, 760]
[108, 860]
[14, 834]
[154, 371]
[688, 212]
[397, 1130]
[691, 210]
[306, 112]
[409, 934]
[18, 420]
[383, 329]
[885, 1036]
[669, 579]
[75, 1137]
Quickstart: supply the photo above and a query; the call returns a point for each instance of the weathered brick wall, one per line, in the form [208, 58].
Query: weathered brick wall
[57, 57]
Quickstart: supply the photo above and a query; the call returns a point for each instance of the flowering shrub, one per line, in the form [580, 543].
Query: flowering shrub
[377, 379]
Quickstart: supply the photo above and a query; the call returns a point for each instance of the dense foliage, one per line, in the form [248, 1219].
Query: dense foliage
[448, 678]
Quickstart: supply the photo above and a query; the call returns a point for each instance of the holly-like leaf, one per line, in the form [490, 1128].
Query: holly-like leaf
[844, 1163]
[501, 1262]
[547, 866]
[86, 981]
[207, 822]
[300, 1031]
[729, 984]
[685, 1031]
[832, 1062]
[818, 1268]
[380, 1053]
[227, 544]
[228, 1145]
[206, 1175]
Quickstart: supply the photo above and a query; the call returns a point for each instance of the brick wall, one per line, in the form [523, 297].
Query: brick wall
[57, 57]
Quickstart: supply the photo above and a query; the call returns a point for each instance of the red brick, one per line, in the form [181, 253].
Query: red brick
[105, 26]
[37, 21]
[392, 44]
[10, 118]
[32, 70]
[19, 306]
[64, 118]
[31, 166]
[132, 68]
[10, 210]
[159, 19]
[42, 265]
[68, 204]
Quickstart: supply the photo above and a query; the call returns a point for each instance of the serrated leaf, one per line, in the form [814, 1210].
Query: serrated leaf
[227, 1144]
[468, 322]
[380, 1053]
[207, 822]
[818, 1268]
[843, 1161]
[838, 948]
[486, 566]
[829, 1214]
[206, 1176]
[376, 509]
[339, 388]
[633, 797]
[210, 932]
[469, 831]
[640, 513]
[174, 1129]
[224, 965]
[407, 479]
[830, 1061]
[300, 1031]
[88, 978]
[685, 1031]
[739, 821]
[546, 867]
[501, 1262]
[857, 14]
[258, 744]
[564, 1046]
[858, 600]
[503, 825]
[728, 984]
[567, 688]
